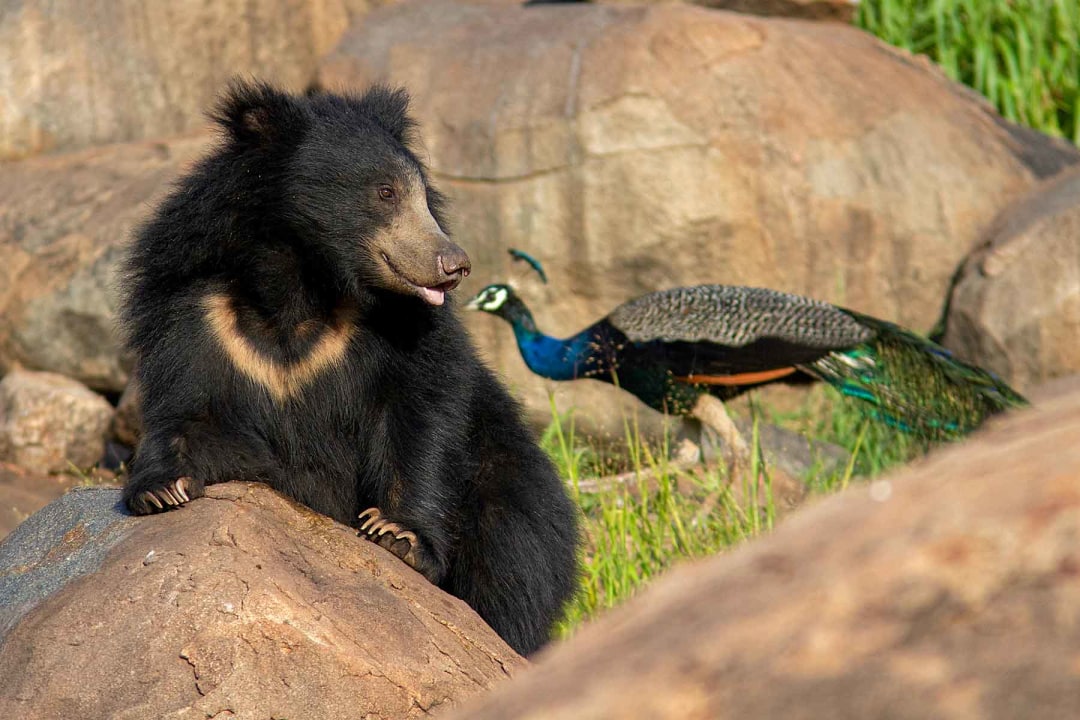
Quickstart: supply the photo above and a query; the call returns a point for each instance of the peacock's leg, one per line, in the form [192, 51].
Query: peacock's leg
[712, 413]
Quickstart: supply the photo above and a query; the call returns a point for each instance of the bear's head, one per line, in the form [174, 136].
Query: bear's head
[345, 180]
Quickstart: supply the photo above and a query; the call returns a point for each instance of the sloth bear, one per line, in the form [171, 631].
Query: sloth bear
[287, 310]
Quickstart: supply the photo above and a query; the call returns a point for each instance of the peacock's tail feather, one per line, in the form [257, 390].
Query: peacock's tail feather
[913, 383]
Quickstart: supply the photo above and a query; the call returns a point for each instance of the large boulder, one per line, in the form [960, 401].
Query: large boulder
[75, 73]
[636, 148]
[50, 422]
[64, 223]
[949, 590]
[242, 604]
[1015, 306]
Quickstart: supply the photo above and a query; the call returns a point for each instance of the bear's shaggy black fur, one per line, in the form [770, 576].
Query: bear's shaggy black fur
[285, 306]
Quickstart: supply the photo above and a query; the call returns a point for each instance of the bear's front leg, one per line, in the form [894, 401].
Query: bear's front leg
[401, 541]
[157, 483]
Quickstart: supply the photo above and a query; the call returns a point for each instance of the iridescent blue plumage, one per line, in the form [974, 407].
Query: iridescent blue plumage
[551, 357]
[671, 347]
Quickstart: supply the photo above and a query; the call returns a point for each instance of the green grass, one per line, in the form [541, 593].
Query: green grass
[93, 476]
[634, 531]
[874, 446]
[1023, 55]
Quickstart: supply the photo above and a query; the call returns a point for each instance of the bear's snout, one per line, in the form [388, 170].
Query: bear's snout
[428, 266]
[454, 261]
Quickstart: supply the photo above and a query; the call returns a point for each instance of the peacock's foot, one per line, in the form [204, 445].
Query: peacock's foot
[712, 413]
[402, 542]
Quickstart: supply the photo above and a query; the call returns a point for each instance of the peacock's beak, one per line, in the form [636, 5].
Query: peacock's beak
[473, 304]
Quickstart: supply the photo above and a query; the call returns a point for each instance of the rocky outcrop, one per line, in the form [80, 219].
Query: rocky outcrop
[629, 148]
[50, 422]
[636, 148]
[64, 223]
[948, 590]
[241, 604]
[78, 73]
[1015, 306]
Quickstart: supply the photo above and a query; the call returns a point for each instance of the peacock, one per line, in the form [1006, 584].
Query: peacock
[675, 348]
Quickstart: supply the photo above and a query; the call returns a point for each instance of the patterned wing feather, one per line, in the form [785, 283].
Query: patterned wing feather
[735, 317]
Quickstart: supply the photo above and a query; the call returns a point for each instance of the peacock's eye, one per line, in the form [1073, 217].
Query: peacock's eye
[495, 298]
[386, 192]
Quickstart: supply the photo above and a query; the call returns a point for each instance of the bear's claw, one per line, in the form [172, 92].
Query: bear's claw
[170, 495]
[392, 536]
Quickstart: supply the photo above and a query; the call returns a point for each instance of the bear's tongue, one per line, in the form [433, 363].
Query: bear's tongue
[433, 295]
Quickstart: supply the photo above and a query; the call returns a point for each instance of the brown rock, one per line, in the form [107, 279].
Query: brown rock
[243, 605]
[1015, 306]
[637, 148]
[833, 10]
[84, 73]
[1047, 391]
[64, 224]
[948, 590]
[49, 422]
[126, 427]
[23, 492]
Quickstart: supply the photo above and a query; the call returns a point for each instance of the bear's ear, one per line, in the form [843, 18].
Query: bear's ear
[389, 109]
[254, 114]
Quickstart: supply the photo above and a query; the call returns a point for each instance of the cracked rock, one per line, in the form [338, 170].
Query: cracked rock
[240, 604]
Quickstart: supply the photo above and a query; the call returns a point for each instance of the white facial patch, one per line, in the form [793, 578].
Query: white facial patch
[493, 299]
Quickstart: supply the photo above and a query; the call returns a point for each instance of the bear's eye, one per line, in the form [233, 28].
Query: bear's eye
[386, 192]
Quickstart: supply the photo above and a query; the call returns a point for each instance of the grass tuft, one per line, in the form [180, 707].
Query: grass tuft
[1023, 55]
[664, 514]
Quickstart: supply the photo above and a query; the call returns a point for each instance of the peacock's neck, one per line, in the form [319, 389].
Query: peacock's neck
[517, 314]
[546, 356]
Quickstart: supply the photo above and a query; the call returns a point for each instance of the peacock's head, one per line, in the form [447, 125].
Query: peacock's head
[495, 299]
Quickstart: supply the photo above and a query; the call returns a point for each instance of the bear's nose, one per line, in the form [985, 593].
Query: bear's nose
[455, 261]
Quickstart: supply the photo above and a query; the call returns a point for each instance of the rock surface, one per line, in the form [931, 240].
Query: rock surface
[948, 590]
[165, 63]
[64, 224]
[126, 427]
[834, 10]
[50, 422]
[239, 605]
[66, 540]
[637, 148]
[23, 493]
[1015, 306]
[1052, 389]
